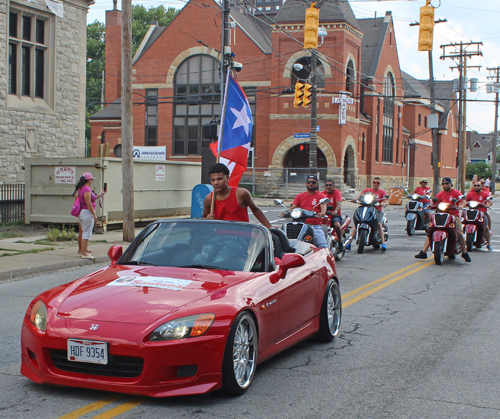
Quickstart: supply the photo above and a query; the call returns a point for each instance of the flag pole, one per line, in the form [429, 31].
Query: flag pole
[221, 131]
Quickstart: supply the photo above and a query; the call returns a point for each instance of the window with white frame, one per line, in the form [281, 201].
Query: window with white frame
[29, 65]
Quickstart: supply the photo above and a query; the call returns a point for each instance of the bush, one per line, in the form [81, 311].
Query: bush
[59, 235]
[481, 169]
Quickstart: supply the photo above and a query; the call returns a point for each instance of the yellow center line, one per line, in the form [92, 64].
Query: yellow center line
[89, 408]
[384, 284]
[118, 410]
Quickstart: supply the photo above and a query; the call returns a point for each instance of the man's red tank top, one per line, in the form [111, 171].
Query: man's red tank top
[229, 209]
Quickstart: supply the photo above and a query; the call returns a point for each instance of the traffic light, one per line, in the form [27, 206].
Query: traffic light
[426, 28]
[307, 95]
[311, 28]
[299, 94]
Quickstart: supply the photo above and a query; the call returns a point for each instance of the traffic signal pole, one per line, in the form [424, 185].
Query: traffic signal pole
[313, 143]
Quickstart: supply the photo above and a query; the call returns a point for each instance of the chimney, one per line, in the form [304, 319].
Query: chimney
[113, 65]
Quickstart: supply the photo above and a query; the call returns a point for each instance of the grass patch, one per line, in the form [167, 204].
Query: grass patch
[60, 235]
[98, 241]
[13, 252]
[43, 241]
[9, 234]
[14, 224]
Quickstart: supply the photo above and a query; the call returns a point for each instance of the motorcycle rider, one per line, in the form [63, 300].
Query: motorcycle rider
[486, 189]
[335, 198]
[423, 189]
[480, 196]
[309, 199]
[381, 196]
[447, 195]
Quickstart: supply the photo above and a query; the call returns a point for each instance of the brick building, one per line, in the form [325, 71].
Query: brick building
[177, 88]
[42, 86]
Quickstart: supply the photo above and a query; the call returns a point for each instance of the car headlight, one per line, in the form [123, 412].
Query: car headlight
[442, 206]
[296, 213]
[38, 316]
[185, 327]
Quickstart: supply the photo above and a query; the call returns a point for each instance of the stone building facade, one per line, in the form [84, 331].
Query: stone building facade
[42, 82]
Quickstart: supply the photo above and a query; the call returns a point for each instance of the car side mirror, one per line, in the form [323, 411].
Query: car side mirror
[288, 261]
[115, 253]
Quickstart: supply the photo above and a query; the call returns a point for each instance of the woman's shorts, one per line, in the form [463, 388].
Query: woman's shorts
[86, 223]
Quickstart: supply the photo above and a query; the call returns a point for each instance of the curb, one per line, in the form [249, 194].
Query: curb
[19, 273]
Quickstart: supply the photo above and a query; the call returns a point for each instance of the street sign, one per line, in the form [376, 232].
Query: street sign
[302, 135]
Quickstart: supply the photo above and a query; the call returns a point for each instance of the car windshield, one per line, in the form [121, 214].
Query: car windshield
[203, 245]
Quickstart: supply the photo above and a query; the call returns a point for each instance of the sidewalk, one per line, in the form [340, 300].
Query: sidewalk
[61, 256]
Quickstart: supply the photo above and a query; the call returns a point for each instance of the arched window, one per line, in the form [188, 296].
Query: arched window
[196, 102]
[304, 74]
[350, 77]
[388, 124]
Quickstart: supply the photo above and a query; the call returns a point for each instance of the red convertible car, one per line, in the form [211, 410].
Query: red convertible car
[190, 307]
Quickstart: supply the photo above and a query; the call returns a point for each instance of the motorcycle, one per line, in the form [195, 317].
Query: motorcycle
[442, 232]
[365, 223]
[346, 237]
[473, 222]
[414, 213]
[297, 229]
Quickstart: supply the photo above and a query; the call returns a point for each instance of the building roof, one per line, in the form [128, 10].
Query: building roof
[112, 111]
[374, 30]
[256, 28]
[480, 145]
[293, 11]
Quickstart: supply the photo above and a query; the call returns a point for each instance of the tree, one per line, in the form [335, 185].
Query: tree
[481, 169]
[142, 19]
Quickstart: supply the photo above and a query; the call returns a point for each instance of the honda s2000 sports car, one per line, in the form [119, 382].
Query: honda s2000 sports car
[190, 307]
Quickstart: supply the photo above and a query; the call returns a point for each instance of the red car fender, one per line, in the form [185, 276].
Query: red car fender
[439, 235]
[470, 228]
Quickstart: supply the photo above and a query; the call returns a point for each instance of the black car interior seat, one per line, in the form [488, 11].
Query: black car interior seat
[285, 244]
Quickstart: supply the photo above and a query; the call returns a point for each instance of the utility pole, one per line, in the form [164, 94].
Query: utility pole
[462, 54]
[313, 140]
[127, 133]
[495, 71]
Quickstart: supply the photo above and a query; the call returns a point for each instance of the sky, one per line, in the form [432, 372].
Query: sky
[467, 21]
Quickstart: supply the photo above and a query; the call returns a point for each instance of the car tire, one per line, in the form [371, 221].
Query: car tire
[331, 313]
[240, 355]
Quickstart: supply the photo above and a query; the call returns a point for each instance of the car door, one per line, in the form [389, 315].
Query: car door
[298, 296]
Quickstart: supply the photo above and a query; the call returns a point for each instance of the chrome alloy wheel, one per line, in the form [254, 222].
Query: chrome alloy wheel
[333, 309]
[244, 352]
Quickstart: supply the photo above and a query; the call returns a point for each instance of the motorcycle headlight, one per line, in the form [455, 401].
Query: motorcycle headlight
[296, 213]
[414, 197]
[473, 204]
[38, 316]
[368, 199]
[185, 327]
[442, 206]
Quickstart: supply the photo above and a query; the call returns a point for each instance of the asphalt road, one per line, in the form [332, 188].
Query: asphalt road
[417, 341]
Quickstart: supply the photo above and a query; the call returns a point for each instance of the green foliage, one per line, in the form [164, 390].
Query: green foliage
[9, 234]
[481, 169]
[64, 234]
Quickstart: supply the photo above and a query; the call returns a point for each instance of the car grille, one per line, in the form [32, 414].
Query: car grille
[117, 366]
[471, 215]
[292, 231]
[412, 205]
[440, 219]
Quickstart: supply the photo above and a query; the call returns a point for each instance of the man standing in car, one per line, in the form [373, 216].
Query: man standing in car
[335, 198]
[231, 203]
[309, 200]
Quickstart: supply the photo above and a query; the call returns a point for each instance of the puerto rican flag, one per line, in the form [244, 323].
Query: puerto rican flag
[236, 132]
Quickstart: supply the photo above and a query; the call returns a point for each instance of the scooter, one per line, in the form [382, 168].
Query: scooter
[365, 223]
[473, 221]
[414, 213]
[345, 230]
[442, 232]
[297, 229]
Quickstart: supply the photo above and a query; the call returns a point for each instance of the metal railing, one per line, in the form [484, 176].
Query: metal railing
[12, 203]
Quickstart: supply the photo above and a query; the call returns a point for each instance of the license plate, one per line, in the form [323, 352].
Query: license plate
[92, 351]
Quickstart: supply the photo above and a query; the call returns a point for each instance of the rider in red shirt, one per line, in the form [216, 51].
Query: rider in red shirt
[381, 196]
[447, 195]
[422, 190]
[335, 198]
[230, 203]
[481, 196]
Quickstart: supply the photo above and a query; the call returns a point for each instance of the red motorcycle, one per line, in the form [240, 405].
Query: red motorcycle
[442, 232]
[344, 228]
[473, 221]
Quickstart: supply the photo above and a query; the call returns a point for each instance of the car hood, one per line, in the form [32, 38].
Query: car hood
[141, 295]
